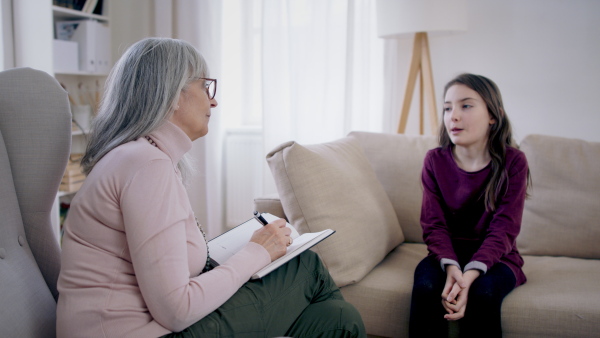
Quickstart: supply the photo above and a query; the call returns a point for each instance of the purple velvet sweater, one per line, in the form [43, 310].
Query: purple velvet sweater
[456, 226]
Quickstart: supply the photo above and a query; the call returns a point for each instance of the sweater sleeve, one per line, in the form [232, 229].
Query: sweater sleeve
[156, 213]
[505, 225]
[435, 230]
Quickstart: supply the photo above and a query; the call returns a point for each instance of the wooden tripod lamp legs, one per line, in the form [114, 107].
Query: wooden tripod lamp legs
[420, 65]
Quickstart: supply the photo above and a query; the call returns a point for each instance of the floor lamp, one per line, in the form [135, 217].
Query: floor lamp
[397, 18]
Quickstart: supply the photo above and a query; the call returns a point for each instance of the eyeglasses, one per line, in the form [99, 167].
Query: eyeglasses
[210, 85]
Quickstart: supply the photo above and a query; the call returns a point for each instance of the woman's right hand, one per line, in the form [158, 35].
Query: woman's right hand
[274, 237]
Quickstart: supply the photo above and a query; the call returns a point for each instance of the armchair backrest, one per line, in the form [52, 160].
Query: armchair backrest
[35, 140]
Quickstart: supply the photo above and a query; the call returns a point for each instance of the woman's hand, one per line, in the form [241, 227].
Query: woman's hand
[456, 301]
[275, 237]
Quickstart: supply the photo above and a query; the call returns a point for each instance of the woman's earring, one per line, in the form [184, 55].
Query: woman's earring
[176, 107]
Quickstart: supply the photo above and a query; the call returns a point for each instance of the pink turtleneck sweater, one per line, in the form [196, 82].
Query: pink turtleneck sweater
[132, 253]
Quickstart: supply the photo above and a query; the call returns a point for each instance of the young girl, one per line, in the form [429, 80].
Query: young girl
[474, 188]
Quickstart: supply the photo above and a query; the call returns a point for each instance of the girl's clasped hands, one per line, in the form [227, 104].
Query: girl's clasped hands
[456, 291]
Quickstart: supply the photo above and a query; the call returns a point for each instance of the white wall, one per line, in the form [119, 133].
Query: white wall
[7, 57]
[33, 34]
[130, 21]
[543, 54]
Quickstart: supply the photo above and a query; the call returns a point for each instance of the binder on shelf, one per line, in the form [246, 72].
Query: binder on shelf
[72, 4]
[79, 4]
[93, 39]
[100, 10]
[89, 6]
[103, 55]
[85, 6]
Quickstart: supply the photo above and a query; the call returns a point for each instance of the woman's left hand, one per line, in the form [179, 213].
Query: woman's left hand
[456, 306]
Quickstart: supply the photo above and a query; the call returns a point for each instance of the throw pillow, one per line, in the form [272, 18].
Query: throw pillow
[333, 186]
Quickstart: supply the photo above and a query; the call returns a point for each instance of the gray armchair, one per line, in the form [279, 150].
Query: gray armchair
[35, 141]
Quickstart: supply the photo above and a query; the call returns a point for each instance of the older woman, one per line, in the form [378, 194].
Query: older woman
[135, 259]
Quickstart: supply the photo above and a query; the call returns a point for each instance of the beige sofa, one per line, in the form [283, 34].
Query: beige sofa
[367, 187]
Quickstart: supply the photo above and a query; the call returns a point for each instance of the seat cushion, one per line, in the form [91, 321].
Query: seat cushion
[383, 296]
[562, 216]
[560, 299]
[333, 186]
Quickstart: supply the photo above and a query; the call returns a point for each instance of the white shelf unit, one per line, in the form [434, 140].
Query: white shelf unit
[78, 73]
[75, 82]
[62, 13]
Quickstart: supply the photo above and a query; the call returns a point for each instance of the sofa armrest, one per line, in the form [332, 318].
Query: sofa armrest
[271, 204]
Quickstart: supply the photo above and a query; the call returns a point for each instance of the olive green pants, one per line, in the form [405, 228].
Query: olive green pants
[299, 299]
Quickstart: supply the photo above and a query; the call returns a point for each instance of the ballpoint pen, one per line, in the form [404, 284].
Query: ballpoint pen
[260, 219]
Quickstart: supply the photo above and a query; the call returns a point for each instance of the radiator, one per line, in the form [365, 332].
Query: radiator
[244, 165]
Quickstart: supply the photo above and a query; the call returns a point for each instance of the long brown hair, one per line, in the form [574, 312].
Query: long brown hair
[500, 133]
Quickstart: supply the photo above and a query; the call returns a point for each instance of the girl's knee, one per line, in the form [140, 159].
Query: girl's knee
[486, 291]
[483, 294]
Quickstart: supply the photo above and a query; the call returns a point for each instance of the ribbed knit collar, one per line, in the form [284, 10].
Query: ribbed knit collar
[172, 140]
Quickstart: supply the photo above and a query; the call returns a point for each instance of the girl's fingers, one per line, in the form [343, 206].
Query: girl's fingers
[454, 292]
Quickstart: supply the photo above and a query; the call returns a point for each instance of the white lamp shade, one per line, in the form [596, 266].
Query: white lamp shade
[398, 17]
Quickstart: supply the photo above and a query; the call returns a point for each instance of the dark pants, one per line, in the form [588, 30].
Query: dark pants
[484, 303]
[299, 299]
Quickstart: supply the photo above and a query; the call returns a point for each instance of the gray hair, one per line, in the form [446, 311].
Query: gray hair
[141, 91]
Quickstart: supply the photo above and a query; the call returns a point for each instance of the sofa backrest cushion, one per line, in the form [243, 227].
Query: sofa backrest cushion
[398, 161]
[333, 186]
[562, 215]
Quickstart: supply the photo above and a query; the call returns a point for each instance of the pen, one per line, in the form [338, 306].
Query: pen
[260, 219]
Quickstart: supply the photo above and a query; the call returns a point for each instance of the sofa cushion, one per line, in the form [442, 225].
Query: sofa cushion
[561, 218]
[398, 161]
[333, 186]
[560, 299]
[383, 297]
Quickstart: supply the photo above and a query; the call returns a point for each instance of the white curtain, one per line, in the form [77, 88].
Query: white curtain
[322, 70]
[303, 70]
[199, 23]
[317, 68]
